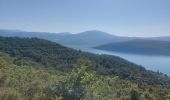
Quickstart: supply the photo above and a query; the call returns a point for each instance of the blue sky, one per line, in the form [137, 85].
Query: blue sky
[119, 17]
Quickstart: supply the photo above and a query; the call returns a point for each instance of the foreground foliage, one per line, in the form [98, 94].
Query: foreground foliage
[23, 82]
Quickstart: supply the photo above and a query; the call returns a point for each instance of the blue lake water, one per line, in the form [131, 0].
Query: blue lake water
[155, 63]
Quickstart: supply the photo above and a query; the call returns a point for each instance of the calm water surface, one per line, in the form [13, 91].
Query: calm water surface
[155, 63]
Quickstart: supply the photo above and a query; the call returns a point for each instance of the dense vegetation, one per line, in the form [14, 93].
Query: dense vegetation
[49, 54]
[24, 82]
[139, 46]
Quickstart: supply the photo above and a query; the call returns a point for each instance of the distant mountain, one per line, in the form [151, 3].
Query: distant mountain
[93, 38]
[163, 38]
[42, 35]
[86, 39]
[139, 46]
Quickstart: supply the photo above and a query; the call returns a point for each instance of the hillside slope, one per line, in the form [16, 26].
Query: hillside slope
[50, 54]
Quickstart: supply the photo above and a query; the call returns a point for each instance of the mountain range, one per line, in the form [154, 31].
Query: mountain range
[100, 40]
[86, 39]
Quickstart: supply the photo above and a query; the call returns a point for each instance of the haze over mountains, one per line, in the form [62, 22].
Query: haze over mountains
[101, 40]
[87, 39]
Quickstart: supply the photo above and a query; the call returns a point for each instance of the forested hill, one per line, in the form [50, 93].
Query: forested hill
[139, 46]
[49, 54]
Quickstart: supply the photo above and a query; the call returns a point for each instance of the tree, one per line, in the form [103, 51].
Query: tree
[73, 88]
[134, 95]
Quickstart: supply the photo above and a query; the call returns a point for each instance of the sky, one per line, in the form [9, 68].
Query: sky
[119, 17]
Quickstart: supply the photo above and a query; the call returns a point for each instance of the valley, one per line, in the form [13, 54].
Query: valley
[84, 49]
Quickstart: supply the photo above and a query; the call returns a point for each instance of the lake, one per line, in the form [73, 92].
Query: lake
[155, 63]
